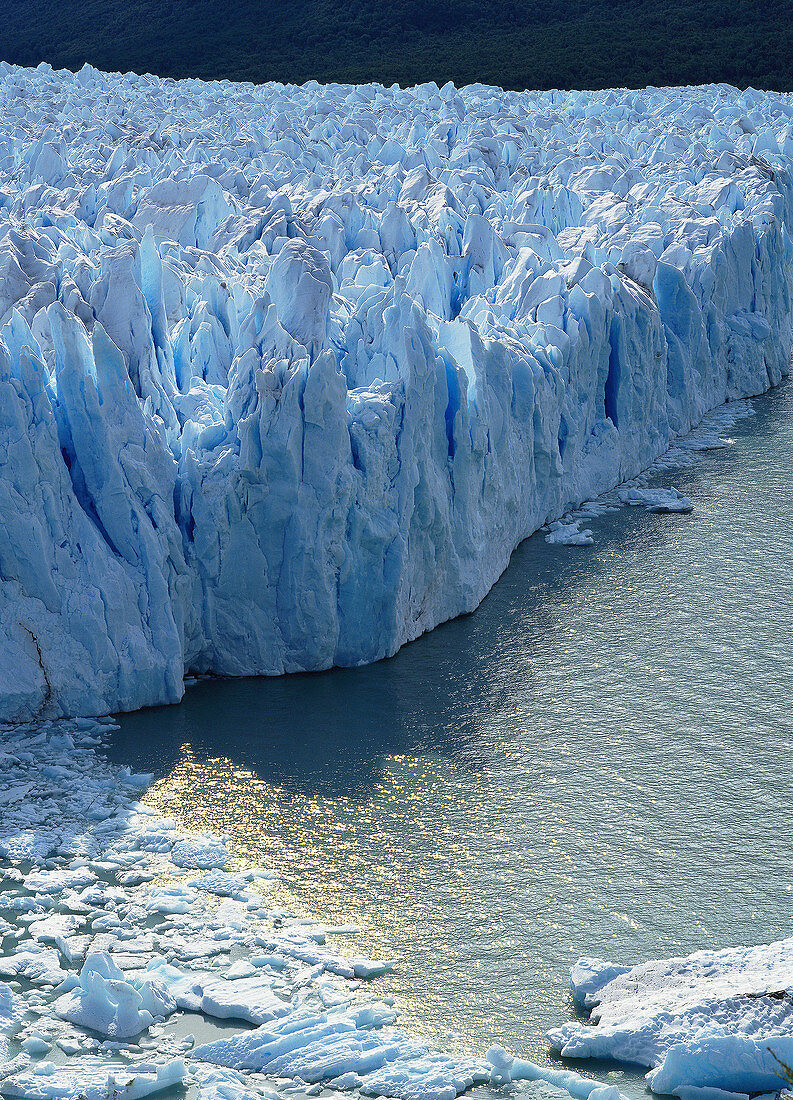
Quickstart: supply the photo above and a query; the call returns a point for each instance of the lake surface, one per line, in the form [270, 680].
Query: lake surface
[597, 761]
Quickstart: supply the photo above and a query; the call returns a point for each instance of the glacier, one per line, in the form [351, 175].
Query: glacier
[286, 373]
[715, 1025]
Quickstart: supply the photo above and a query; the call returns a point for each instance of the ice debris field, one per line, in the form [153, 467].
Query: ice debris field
[286, 373]
[137, 960]
[121, 937]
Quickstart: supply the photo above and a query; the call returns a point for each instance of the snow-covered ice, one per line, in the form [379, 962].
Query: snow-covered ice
[715, 1020]
[287, 373]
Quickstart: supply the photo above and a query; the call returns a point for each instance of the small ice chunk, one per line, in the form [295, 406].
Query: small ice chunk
[41, 966]
[656, 500]
[568, 534]
[35, 1045]
[109, 1002]
[250, 997]
[55, 882]
[200, 853]
[309, 951]
[222, 884]
[171, 900]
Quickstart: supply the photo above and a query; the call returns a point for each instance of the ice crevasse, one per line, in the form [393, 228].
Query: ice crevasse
[286, 373]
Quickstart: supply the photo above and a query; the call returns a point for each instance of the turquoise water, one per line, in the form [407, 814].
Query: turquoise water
[596, 762]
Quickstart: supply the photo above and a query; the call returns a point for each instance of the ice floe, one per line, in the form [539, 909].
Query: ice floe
[107, 1002]
[656, 500]
[203, 853]
[569, 534]
[712, 1023]
[86, 1080]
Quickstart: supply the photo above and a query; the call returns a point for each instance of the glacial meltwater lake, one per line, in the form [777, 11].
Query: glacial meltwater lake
[596, 762]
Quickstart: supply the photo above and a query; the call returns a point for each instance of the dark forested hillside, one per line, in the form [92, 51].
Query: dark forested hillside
[514, 43]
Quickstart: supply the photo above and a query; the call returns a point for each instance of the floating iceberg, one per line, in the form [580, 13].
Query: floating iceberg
[286, 373]
[107, 1002]
[568, 534]
[656, 500]
[90, 1080]
[711, 1024]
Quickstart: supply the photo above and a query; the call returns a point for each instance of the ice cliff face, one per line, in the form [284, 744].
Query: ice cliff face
[287, 373]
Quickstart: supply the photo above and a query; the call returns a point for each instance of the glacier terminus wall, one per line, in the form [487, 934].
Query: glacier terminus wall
[286, 373]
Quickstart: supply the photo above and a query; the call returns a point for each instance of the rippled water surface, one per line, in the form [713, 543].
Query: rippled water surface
[596, 762]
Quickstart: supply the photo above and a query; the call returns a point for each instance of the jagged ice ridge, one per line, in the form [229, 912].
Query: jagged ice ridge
[287, 373]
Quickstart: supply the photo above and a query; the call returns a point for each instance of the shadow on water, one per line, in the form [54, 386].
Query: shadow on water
[328, 732]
